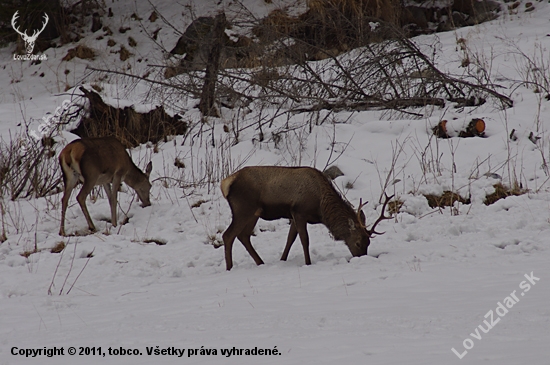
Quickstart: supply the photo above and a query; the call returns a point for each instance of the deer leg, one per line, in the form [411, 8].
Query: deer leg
[228, 238]
[235, 229]
[301, 227]
[292, 234]
[113, 199]
[107, 188]
[70, 182]
[81, 198]
[109, 192]
[244, 237]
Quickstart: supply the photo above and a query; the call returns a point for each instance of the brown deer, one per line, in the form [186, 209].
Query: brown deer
[100, 161]
[301, 194]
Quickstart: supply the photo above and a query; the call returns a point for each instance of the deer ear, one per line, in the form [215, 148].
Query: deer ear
[351, 224]
[149, 168]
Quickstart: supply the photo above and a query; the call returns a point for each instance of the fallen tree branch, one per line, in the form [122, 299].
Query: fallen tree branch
[195, 93]
[372, 104]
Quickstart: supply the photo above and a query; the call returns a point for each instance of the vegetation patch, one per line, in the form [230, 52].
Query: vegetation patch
[179, 163]
[394, 206]
[502, 192]
[198, 203]
[124, 53]
[81, 51]
[447, 199]
[27, 253]
[130, 127]
[132, 42]
[59, 246]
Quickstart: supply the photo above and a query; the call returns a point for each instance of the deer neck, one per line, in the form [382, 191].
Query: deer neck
[336, 215]
[134, 177]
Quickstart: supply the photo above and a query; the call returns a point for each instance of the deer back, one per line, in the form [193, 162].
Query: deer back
[97, 158]
[277, 191]
[274, 190]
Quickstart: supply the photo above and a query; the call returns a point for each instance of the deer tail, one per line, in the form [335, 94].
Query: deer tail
[225, 185]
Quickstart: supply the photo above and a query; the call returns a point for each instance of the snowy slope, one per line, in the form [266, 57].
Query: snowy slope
[427, 286]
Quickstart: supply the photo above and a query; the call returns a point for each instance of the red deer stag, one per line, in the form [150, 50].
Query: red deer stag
[301, 194]
[100, 161]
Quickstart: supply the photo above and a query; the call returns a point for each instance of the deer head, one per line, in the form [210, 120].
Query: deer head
[29, 40]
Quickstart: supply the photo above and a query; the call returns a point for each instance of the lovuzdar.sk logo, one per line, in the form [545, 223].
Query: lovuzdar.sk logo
[29, 40]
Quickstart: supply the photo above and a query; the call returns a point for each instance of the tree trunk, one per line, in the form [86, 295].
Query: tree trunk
[208, 95]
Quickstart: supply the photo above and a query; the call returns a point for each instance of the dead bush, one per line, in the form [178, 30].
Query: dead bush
[27, 169]
[130, 127]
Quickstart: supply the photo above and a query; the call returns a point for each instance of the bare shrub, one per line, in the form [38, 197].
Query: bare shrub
[27, 169]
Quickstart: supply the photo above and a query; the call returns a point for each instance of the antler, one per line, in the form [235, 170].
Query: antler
[37, 32]
[382, 216]
[13, 19]
[361, 205]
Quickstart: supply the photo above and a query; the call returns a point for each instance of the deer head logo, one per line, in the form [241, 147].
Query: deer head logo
[29, 40]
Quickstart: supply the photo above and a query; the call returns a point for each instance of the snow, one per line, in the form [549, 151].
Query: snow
[427, 284]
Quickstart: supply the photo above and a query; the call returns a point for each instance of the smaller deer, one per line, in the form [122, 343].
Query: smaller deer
[303, 195]
[100, 161]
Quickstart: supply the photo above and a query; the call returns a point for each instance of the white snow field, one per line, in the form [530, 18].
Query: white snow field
[468, 284]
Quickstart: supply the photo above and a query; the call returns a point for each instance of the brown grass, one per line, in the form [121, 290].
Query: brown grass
[394, 206]
[59, 246]
[275, 24]
[124, 53]
[502, 192]
[386, 10]
[446, 200]
[198, 203]
[27, 253]
[81, 51]
[344, 24]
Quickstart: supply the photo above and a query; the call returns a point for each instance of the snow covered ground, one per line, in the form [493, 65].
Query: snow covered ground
[474, 278]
